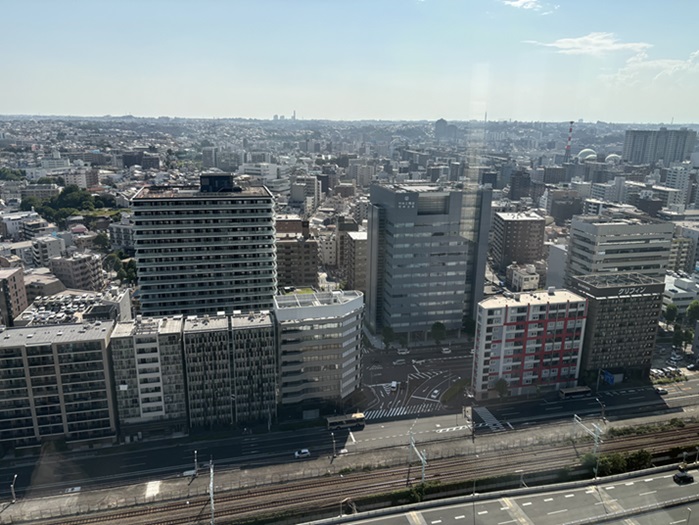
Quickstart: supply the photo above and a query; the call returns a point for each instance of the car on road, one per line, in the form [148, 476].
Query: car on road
[691, 366]
[399, 362]
[661, 391]
[403, 351]
[446, 350]
[434, 394]
[303, 453]
[682, 478]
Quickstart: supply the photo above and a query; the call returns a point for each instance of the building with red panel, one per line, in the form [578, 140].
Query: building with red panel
[528, 343]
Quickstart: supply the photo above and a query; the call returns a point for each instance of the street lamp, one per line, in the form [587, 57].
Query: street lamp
[12, 488]
[603, 406]
[332, 435]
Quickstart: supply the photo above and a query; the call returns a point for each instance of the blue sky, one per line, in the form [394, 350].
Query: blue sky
[613, 60]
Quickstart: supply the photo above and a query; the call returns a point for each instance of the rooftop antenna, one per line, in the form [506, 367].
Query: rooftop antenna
[570, 139]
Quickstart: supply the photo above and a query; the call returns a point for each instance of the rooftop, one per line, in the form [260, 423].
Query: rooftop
[48, 334]
[315, 299]
[601, 280]
[192, 192]
[537, 298]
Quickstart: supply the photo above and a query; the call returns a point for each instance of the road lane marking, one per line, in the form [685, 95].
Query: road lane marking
[505, 522]
[610, 488]
[352, 437]
[649, 479]
[483, 512]
[648, 493]
[436, 521]
[548, 499]
[526, 504]
[459, 517]
[557, 511]
[629, 483]
[570, 495]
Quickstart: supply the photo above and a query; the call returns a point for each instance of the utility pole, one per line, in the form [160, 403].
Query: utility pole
[601, 404]
[332, 435]
[196, 465]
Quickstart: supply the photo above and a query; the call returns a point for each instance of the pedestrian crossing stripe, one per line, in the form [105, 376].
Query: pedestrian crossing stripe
[399, 411]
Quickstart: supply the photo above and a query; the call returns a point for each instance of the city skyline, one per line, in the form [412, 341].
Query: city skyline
[531, 60]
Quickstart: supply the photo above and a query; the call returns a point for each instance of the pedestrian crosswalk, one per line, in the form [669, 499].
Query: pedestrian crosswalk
[400, 411]
[423, 375]
[489, 419]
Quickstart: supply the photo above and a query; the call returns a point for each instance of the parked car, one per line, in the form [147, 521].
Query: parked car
[691, 366]
[303, 453]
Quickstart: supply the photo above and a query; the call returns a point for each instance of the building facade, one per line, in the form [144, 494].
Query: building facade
[13, 295]
[623, 314]
[200, 252]
[149, 377]
[517, 238]
[83, 271]
[528, 343]
[320, 345]
[426, 253]
[623, 243]
[649, 146]
[55, 383]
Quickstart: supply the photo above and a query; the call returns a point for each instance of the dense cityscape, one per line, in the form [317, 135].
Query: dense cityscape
[165, 280]
[385, 262]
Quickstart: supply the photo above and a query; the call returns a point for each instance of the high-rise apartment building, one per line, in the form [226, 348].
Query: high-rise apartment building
[531, 341]
[517, 238]
[297, 260]
[648, 146]
[426, 252]
[356, 261]
[205, 250]
[618, 243]
[622, 323]
[56, 383]
[320, 340]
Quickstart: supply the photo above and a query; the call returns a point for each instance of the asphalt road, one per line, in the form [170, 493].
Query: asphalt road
[162, 460]
[561, 506]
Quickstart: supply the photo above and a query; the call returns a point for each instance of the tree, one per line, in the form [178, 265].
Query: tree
[677, 337]
[688, 336]
[692, 315]
[439, 332]
[502, 387]
[388, 336]
[671, 313]
[102, 242]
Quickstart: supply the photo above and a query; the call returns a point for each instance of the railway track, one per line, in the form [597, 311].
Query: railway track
[328, 491]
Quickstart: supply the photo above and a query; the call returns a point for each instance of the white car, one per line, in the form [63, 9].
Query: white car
[446, 350]
[303, 453]
[434, 394]
[403, 351]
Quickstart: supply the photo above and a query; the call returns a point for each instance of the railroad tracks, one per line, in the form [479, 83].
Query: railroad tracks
[327, 492]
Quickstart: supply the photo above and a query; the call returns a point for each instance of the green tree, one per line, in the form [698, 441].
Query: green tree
[439, 332]
[671, 312]
[639, 460]
[688, 336]
[502, 387]
[678, 337]
[388, 336]
[102, 242]
[30, 202]
[11, 174]
[692, 315]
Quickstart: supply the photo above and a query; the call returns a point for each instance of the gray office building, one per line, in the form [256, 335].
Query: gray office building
[668, 145]
[426, 253]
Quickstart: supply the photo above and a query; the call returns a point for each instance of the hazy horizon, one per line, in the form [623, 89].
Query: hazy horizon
[365, 60]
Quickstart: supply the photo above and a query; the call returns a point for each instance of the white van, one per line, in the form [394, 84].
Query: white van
[394, 386]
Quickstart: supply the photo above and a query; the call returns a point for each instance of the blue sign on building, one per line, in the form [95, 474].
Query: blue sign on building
[608, 377]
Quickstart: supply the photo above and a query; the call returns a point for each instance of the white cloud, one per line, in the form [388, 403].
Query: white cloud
[523, 4]
[593, 44]
[639, 70]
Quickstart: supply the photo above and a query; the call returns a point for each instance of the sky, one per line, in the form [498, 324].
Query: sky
[614, 60]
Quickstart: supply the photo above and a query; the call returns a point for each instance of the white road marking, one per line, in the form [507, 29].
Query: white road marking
[483, 512]
[459, 517]
[526, 504]
[548, 499]
[648, 493]
[629, 483]
[649, 479]
[610, 488]
[436, 521]
[505, 522]
[570, 495]
[352, 437]
[557, 511]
